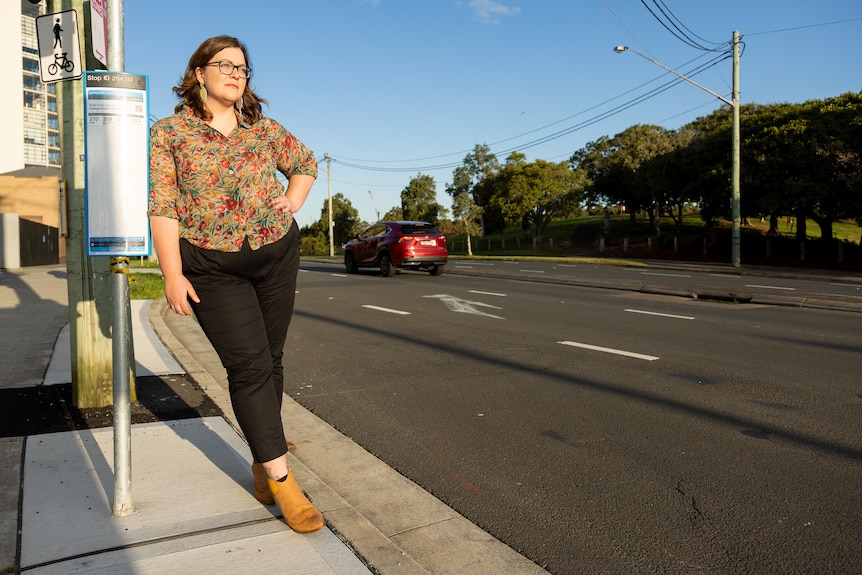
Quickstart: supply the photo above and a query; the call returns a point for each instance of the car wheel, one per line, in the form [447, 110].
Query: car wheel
[350, 263]
[386, 267]
[436, 271]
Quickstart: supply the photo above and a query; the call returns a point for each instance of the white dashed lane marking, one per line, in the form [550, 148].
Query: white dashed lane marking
[609, 350]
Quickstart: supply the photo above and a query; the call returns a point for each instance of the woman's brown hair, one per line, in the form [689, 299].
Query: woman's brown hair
[188, 88]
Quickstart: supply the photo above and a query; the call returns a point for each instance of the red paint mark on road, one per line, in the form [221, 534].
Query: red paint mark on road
[445, 465]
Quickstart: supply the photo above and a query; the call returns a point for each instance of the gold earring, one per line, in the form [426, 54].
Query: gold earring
[203, 94]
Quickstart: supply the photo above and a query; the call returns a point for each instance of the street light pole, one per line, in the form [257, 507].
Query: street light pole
[736, 218]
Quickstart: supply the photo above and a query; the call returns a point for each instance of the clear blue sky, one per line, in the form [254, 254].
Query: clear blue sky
[394, 88]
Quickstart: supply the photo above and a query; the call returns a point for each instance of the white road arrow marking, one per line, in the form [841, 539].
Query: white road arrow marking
[459, 305]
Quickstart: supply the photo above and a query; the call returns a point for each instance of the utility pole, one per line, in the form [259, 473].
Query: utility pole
[329, 191]
[736, 218]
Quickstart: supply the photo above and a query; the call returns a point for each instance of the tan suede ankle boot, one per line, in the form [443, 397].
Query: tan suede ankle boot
[262, 491]
[299, 514]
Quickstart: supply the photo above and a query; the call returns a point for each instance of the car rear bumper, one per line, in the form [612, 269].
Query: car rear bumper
[420, 261]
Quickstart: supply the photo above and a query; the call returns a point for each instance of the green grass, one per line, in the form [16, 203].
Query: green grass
[844, 230]
[146, 286]
[562, 233]
[141, 262]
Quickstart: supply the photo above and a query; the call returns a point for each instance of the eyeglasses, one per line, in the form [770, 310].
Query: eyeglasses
[227, 68]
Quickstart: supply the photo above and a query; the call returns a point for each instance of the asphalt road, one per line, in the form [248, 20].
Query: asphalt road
[783, 286]
[596, 430]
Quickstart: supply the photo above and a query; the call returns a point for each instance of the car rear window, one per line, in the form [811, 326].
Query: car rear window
[418, 229]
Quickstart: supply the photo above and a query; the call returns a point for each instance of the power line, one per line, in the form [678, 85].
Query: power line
[803, 27]
[555, 135]
[672, 15]
[679, 34]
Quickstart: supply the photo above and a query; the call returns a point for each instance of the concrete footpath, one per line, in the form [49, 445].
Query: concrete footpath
[194, 510]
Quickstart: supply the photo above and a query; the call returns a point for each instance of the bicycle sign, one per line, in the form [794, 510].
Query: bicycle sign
[60, 63]
[59, 49]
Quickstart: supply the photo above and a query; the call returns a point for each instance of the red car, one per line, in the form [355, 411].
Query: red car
[397, 245]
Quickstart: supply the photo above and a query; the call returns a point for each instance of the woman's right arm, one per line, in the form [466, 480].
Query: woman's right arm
[164, 226]
[166, 241]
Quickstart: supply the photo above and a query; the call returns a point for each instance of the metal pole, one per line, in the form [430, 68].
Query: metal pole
[122, 383]
[736, 240]
[329, 188]
[121, 332]
[116, 38]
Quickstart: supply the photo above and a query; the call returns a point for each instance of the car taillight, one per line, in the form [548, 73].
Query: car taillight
[438, 238]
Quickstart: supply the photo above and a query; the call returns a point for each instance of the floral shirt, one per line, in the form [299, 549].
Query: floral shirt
[218, 187]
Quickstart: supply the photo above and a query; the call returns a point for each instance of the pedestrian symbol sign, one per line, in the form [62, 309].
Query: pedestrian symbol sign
[59, 49]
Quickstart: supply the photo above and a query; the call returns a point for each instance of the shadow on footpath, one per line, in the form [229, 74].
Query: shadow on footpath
[49, 409]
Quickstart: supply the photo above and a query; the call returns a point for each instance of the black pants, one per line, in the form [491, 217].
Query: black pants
[246, 305]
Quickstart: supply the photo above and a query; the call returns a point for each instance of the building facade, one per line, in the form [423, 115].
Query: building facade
[30, 160]
[29, 117]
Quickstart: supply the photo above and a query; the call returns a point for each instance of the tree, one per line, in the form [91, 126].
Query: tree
[619, 173]
[313, 239]
[394, 214]
[700, 167]
[828, 183]
[636, 147]
[466, 214]
[477, 176]
[344, 217]
[537, 192]
[669, 193]
[806, 160]
[604, 174]
[419, 200]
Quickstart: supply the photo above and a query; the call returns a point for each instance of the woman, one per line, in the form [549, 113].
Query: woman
[228, 245]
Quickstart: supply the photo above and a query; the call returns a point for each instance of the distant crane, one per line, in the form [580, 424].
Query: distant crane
[373, 205]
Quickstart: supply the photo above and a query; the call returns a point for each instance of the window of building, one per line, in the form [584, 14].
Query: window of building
[34, 136]
[34, 119]
[35, 155]
[31, 65]
[34, 100]
[33, 82]
[31, 10]
[28, 31]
